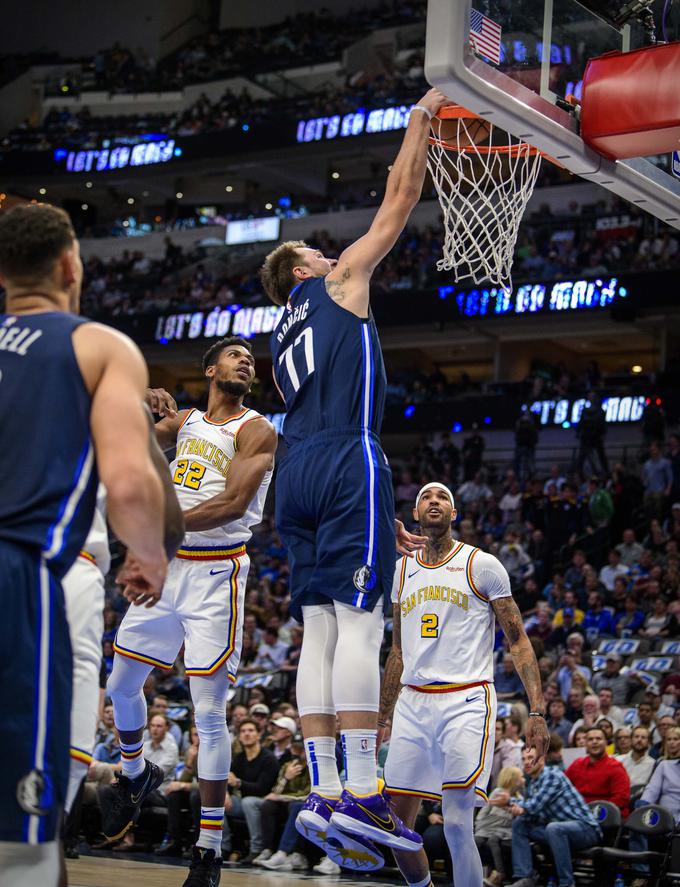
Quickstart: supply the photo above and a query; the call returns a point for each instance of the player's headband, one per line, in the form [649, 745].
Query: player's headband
[435, 485]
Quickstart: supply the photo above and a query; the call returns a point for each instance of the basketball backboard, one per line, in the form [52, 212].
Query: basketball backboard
[519, 84]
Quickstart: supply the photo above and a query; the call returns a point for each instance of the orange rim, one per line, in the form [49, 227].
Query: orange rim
[457, 112]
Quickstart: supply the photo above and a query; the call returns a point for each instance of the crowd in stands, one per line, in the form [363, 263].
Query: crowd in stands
[589, 561]
[134, 284]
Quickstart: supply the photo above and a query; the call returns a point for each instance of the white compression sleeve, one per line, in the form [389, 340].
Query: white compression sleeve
[458, 807]
[124, 686]
[209, 695]
[356, 665]
[315, 669]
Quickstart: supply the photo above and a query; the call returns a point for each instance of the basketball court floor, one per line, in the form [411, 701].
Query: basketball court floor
[106, 871]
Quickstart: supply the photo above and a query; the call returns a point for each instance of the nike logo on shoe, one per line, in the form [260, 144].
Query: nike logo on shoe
[387, 824]
[217, 572]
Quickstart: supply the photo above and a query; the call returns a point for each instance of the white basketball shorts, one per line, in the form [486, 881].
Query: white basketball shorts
[201, 607]
[84, 597]
[442, 740]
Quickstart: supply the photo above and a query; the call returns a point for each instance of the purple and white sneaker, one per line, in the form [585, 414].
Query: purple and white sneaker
[351, 852]
[372, 817]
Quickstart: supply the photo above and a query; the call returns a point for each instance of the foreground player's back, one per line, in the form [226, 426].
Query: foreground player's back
[327, 364]
[48, 479]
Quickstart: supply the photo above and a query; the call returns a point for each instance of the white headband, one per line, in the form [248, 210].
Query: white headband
[435, 485]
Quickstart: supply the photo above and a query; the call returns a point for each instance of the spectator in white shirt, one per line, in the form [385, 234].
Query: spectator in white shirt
[609, 710]
[638, 762]
[629, 549]
[271, 653]
[613, 569]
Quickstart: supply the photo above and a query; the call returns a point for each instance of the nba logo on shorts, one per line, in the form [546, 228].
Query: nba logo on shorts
[365, 578]
[364, 744]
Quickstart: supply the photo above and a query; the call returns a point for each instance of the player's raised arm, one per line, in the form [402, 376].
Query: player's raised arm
[348, 281]
[510, 619]
[115, 373]
[255, 448]
[163, 404]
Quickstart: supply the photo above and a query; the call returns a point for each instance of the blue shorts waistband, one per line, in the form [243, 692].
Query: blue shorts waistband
[319, 438]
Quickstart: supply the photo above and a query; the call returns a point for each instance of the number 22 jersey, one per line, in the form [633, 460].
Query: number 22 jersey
[448, 626]
[327, 364]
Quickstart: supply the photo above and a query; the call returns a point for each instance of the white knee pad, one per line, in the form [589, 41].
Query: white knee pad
[124, 686]
[209, 695]
[315, 668]
[356, 665]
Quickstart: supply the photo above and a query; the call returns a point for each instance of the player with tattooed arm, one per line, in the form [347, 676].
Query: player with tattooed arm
[446, 602]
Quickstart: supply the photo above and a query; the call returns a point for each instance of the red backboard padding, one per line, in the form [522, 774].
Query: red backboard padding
[631, 102]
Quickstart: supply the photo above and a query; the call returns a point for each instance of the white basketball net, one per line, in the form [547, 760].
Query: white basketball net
[483, 195]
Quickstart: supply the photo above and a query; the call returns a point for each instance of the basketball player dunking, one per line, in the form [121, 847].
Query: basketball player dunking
[71, 403]
[334, 501]
[222, 470]
[441, 746]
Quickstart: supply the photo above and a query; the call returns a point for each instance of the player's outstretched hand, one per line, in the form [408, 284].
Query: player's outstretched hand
[160, 402]
[537, 736]
[142, 581]
[433, 100]
[408, 543]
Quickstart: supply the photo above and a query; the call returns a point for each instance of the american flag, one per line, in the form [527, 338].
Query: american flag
[485, 36]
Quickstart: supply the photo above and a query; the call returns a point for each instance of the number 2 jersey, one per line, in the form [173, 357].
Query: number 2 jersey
[328, 365]
[448, 626]
[200, 470]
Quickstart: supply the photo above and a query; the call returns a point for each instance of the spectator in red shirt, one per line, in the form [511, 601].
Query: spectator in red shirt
[599, 777]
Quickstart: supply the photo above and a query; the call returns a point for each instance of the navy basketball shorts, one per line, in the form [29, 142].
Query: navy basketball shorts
[35, 697]
[335, 515]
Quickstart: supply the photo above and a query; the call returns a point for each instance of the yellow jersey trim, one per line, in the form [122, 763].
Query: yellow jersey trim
[454, 551]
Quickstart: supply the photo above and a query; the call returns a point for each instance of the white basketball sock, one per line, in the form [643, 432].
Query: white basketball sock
[323, 768]
[358, 748]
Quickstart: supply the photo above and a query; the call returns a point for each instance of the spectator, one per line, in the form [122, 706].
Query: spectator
[664, 786]
[557, 721]
[473, 491]
[613, 569]
[645, 717]
[659, 623]
[509, 745]
[600, 504]
[279, 811]
[271, 653]
[554, 813]
[566, 669]
[598, 621]
[612, 678]
[657, 476]
[253, 774]
[160, 706]
[260, 714]
[506, 680]
[599, 777]
[629, 549]
[515, 559]
[674, 459]
[282, 732]
[106, 726]
[575, 699]
[632, 619]
[591, 714]
[493, 826]
[569, 602]
[574, 577]
[663, 725]
[638, 762]
[473, 453]
[623, 741]
[590, 432]
[608, 709]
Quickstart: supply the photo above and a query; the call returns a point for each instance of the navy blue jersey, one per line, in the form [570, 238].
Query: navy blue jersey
[328, 365]
[48, 476]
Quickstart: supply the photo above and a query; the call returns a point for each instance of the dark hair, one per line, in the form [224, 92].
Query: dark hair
[598, 728]
[32, 238]
[277, 272]
[250, 721]
[212, 354]
[556, 743]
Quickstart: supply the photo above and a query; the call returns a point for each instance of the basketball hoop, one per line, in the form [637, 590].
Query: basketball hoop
[483, 190]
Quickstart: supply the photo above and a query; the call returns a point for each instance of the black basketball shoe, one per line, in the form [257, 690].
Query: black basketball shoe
[205, 869]
[126, 799]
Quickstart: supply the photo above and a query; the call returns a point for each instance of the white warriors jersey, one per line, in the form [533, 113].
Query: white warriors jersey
[96, 546]
[447, 623]
[205, 451]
